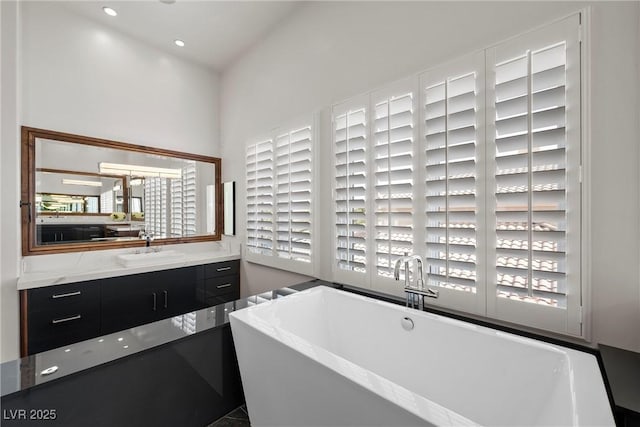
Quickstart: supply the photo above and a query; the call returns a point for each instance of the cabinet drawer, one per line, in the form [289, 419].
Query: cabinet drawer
[221, 289]
[48, 330]
[63, 297]
[218, 269]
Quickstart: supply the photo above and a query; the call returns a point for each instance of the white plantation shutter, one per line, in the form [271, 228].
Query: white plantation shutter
[280, 199]
[393, 134]
[535, 250]
[155, 205]
[183, 203]
[293, 195]
[106, 201]
[350, 157]
[452, 100]
[260, 198]
[487, 190]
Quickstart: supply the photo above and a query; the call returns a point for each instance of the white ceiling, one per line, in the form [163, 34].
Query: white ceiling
[215, 32]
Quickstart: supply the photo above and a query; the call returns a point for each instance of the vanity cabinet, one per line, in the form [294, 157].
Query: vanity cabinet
[219, 283]
[143, 298]
[60, 315]
[61, 233]
[54, 316]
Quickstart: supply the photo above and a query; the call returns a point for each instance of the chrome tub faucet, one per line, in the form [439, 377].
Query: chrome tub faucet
[419, 291]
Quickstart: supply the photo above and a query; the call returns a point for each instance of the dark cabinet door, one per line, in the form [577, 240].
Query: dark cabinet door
[134, 300]
[90, 232]
[129, 301]
[61, 233]
[45, 234]
[176, 291]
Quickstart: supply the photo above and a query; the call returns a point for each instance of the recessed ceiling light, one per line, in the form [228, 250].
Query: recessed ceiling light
[179, 42]
[109, 11]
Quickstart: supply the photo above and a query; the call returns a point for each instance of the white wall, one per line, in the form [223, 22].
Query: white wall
[329, 51]
[81, 77]
[9, 173]
[78, 76]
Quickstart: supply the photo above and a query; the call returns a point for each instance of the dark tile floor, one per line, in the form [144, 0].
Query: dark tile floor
[236, 418]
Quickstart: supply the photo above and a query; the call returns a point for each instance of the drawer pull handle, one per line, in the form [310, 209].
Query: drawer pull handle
[66, 319]
[226, 285]
[155, 301]
[70, 294]
[166, 298]
[223, 269]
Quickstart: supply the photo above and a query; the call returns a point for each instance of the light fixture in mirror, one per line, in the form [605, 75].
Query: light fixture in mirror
[229, 190]
[82, 193]
[81, 182]
[138, 170]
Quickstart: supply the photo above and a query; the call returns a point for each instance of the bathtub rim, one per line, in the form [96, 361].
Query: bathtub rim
[581, 360]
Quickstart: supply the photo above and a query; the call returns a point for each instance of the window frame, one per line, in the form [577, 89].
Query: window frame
[566, 321]
[272, 259]
[465, 301]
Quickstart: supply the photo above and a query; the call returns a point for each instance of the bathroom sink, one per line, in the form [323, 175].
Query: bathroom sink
[149, 258]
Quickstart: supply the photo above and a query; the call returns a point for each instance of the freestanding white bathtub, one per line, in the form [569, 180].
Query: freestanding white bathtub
[325, 357]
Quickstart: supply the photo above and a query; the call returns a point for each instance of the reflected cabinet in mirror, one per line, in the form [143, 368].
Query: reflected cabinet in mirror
[81, 193]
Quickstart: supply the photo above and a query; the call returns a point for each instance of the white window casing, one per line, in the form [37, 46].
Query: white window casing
[293, 195]
[260, 199]
[280, 199]
[533, 168]
[183, 202]
[475, 165]
[155, 206]
[393, 149]
[374, 154]
[350, 135]
[452, 159]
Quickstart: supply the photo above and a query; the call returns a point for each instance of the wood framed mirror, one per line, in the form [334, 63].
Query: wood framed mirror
[80, 193]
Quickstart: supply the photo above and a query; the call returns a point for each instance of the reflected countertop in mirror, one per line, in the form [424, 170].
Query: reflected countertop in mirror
[55, 364]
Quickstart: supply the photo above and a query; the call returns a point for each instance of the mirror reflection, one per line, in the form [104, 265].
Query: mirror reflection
[72, 193]
[92, 193]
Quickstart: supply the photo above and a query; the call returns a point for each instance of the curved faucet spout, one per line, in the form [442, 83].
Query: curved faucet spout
[406, 259]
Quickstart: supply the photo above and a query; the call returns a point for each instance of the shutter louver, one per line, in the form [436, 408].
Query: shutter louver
[350, 139]
[450, 124]
[393, 145]
[260, 197]
[530, 176]
[293, 195]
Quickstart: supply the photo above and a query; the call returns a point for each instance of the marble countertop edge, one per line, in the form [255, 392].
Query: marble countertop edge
[38, 279]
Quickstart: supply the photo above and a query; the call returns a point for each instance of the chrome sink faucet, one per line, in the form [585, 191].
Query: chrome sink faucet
[146, 236]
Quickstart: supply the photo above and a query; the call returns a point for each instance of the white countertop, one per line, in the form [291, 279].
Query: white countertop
[125, 227]
[85, 266]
